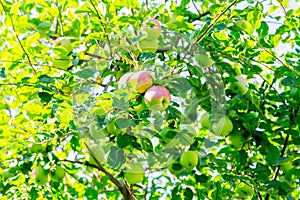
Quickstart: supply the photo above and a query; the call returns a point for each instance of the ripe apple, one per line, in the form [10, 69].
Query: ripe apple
[223, 127]
[189, 160]
[64, 43]
[40, 175]
[205, 120]
[98, 152]
[123, 81]
[235, 140]
[244, 190]
[152, 28]
[175, 167]
[143, 81]
[96, 132]
[204, 60]
[240, 85]
[58, 174]
[148, 45]
[134, 173]
[157, 98]
[36, 148]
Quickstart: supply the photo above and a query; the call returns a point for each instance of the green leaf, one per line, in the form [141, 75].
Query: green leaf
[127, 3]
[254, 17]
[45, 79]
[245, 26]
[45, 97]
[123, 141]
[116, 157]
[85, 73]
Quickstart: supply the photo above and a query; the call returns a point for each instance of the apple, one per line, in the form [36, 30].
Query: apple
[205, 120]
[235, 140]
[240, 85]
[98, 152]
[204, 60]
[134, 173]
[143, 81]
[152, 28]
[175, 167]
[189, 160]
[123, 81]
[244, 190]
[157, 98]
[223, 127]
[64, 43]
[36, 148]
[58, 174]
[148, 45]
[97, 133]
[40, 175]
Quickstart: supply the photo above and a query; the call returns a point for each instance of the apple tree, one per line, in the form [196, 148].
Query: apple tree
[149, 99]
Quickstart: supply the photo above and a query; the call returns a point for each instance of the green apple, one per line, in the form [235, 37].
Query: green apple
[134, 173]
[40, 175]
[37, 148]
[61, 62]
[204, 60]
[58, 174]
[152, 28]
[205, 120]
[64, 43]
[175, 167]
[157, 98]
[96, 132]
[235, 140]
[240, 85]
[244, 190]
[143, 81]
[98, 152]
[223, 127]
[189, 160]
[148, 45]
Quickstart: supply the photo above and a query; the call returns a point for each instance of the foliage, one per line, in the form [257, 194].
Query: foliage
[54, 101]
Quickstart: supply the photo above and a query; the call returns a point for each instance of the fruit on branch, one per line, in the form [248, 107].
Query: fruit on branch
[134, 173]
[98, 153]
[243, 190]
[64, 43]
[143, 81]
[204, 60]
[240, 85]
[148, 45]
[58, 174]
[223, 127]
[157, 98]
[40, 175]
[189, 160]
[175, 167]
[152, 29]
[205, 120]
[235, 140]
[36, 148]
[123, 81]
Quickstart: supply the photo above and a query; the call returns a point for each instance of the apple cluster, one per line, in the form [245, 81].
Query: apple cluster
[156, 98]
[40, 175]
[152, 31]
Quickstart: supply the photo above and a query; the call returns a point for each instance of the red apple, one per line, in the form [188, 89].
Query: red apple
[124, 79]
[143, 81]
[157, 98]
[152, 28]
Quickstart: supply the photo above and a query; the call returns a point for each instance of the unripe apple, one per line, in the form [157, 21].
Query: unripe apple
[157, 98]
[152, 28]
[123, 81]
[204, 60]
[148, 45]
[235, 140]
[223, 127]
[58, 174]
[40, 175]
[244, 190]
[64, 43]
[189, 160]
[175, 167]
[240, 85]
[98, 152]
[205, 120]
[143, 81]
[134, 173]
